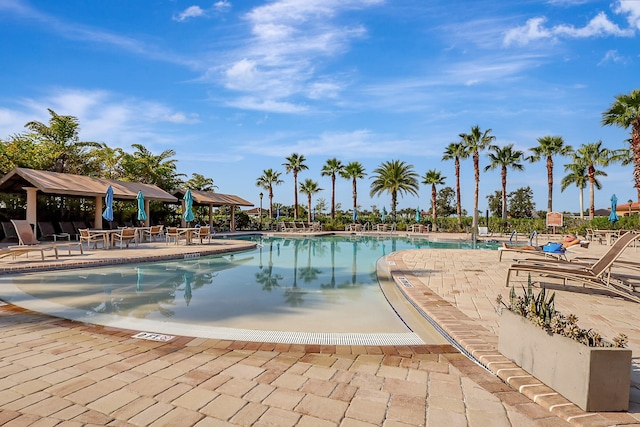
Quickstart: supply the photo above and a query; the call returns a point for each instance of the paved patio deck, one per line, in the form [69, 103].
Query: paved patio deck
[59, 372]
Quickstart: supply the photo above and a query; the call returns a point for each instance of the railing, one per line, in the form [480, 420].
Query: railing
[366, 226]
[533, 235]
[514, 234]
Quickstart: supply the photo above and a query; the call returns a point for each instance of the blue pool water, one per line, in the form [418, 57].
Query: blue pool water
[287, 284]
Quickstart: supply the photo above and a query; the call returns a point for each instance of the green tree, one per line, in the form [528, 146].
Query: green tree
[354, 171]
[625, 113]
[433, 178]
[200, 182]
[548, 147]
[577, 174]
[144, 166]
[107, 161]
[309, 187]
[394, 177]
[20, 151]
[294, 164]
[446, 202]
[475, 142]
[592, 155]
[504, 158]
[266, 181]
[61, 143]
[332, 168]
[456, 151]
[494, 201]
[521, 203]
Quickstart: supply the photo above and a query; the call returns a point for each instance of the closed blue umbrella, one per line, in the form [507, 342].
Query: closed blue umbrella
[355, 215]
[188, 206]
[142, 215]
[278, 214]
[108, 201]
[417, 214]
[384, 214]
[613, 216]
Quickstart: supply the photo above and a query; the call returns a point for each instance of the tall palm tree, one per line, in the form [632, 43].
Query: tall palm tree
[625, 113]
[433, 178]
[332, 168]
[592, 154]
[354, 171]
[309, 187]
[266, 181]
[577, 174]
[504, 158]
[456, 151]
[475, 142]
[61, 142]
[295, 164]
[548, 147]
[144, 166]
[394, 177]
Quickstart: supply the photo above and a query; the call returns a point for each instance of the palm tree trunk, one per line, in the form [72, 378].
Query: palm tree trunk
[270, 201]
[592, 195]
[295, 195]
[581, 203]
[458, 202]
[355, 194]
[394, 202]
[635, 147]
[504, 194]
[434, 213]
[550, 183]
[333, 196]
[309, 213]
[476, 169]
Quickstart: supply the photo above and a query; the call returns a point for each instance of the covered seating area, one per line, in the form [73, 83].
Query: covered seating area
[34, 182]
[211, 199]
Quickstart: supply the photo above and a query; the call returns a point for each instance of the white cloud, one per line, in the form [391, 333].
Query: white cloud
[534, 29]
[612, 56]
[630, 8]
[222, 6]
[190, 12]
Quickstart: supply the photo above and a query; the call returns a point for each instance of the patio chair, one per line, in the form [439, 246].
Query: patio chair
[153, 232]
[125, 236]
[67, 227]
[86, 236]
[203, 232]
[597, 275]
[175, 234]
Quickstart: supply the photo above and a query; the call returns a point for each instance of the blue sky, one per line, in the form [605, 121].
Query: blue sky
[235, 87]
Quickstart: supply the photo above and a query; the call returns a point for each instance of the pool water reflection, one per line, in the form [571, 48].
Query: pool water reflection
[301, 284]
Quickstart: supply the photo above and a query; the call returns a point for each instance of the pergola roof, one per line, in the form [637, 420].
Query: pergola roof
[78, 185]
[213, 199]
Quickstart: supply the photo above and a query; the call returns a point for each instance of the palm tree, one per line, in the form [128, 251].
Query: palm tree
[332, 168]
[266, 181]
[394, 177]
[354, 171]
[61, 142]
[144, 166]
[295, 164]
[475, 142]
[504, 158]
[309, 187]
[456, 151]
[592, 154]
[577, 174]
[433, 177]
[625, 113]
[200, 182]
[549, 146]
[107, 161]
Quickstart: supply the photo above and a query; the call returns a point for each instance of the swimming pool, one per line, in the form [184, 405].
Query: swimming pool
[300, 285]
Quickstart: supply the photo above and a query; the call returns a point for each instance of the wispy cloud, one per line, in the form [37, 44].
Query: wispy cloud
[612, 56]
[535, 29]
[196, 11]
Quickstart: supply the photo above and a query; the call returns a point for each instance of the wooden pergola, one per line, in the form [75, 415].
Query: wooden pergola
[31, 181]
[211, 199]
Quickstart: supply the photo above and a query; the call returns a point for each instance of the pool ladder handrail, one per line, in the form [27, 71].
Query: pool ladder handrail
[514, 233]
[534, 234]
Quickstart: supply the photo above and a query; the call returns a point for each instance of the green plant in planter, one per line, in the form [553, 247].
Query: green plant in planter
[540, 310]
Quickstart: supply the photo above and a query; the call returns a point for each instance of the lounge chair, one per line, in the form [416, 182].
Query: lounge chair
[29, 243]
[67, 227]
[484, 232]
[597, 275]
[9, 231]
[48, 231]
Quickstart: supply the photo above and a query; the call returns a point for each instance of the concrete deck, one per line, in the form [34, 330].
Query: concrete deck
[56, 372]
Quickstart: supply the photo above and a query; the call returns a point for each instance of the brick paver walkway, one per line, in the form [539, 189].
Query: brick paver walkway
[60, 373]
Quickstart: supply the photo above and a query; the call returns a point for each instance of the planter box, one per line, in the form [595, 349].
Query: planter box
[594, 378]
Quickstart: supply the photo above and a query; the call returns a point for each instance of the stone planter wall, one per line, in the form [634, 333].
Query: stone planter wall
[594, 378]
